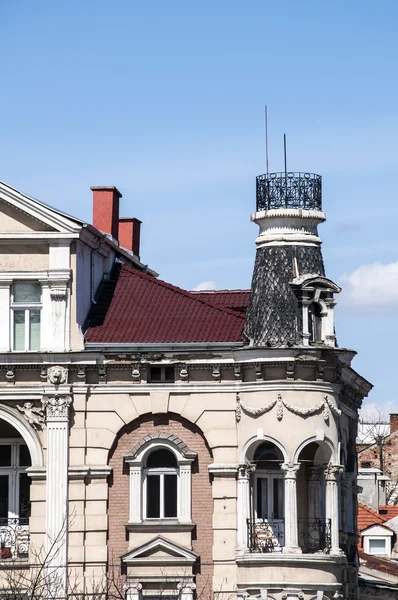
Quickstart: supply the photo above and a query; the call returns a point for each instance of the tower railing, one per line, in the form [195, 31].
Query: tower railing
[289, 190]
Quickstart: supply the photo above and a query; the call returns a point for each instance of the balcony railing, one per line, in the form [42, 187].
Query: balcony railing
[14, 538]
[265, 535]
[289, 190]
[314, 535]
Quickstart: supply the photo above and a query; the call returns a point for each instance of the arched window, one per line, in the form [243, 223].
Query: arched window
[315, 322]
[161, 484]
[160, 479]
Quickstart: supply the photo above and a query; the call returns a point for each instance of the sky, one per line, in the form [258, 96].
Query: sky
[165, 100]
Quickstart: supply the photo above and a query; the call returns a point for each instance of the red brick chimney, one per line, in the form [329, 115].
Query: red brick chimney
[106, 209]
[393, 422]
[129, 234]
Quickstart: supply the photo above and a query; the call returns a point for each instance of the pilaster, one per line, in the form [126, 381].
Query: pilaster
[244, 475]
[57, 407]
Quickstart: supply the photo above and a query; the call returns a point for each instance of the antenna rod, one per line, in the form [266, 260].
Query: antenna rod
[266, 140]
[284, 150]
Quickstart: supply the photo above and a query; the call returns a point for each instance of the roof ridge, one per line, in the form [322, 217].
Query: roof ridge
[180, 291]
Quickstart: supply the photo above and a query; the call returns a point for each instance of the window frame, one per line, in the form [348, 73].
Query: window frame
[161, 472]
[27, 308]
[162, 379]
[138, 481]
[13, 471]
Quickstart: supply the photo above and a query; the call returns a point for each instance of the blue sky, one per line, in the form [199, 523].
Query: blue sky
[165, 100]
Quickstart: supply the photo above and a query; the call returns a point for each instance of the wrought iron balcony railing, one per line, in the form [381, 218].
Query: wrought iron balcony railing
[289, 190]
[14, 538]
[314, 535]
[265, 535]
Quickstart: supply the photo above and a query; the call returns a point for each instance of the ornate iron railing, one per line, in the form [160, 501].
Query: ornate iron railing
[265, 535]
[314, 535]
[14, 538]
[289, 190]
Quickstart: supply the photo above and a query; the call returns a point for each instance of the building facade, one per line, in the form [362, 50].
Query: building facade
[183, 444]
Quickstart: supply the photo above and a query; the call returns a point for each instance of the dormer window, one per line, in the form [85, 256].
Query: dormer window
[315, 297]
[25, 312]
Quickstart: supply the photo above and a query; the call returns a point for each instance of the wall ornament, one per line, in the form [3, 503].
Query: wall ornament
[34, 416]
[57, 375]
[326, 405]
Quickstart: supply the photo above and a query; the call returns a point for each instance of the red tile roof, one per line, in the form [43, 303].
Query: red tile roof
[383, 565]
[235, 299]
[367, 517]
[388, 512]
[138, 308]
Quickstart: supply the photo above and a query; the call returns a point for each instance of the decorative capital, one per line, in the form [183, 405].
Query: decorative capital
[290, 470]
[57, 375]
[333, 472]
[187, 587]
[245, 470]
[57, 407]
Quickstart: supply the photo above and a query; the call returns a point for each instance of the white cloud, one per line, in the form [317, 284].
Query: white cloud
[371, 289]
[205, 285]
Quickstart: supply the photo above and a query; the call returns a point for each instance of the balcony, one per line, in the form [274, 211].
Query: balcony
[289, 190]
[314, 535]
[14, 538]
[265, 535]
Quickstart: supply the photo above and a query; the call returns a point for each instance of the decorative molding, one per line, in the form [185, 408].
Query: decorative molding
[101, 374]
[57, 375]
[326, 405]
[333, 472]
[10, 375]
[245, 470]
[136, 373]
[184, 374]
[81, 374]
[34, 416]
[57, 407]
[253, 412]
[216, 373]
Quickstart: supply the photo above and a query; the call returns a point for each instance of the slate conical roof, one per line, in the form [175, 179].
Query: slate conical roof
[273, 317]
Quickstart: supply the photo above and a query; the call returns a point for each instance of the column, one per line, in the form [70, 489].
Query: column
[291, 529]
[244, 475]
[332, 475]
[57, 420]
[186, 590]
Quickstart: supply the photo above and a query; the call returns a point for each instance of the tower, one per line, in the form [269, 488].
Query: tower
[291, 299]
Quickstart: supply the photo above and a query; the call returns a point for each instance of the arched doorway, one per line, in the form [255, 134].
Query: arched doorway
[15, 483]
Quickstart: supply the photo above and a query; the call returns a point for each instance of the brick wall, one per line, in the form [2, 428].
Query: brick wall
[371, 455]
[202, 502]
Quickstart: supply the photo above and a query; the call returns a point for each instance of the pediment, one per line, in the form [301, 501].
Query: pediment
[22, 214]
[377, 530]
[310, 280]
[160, 551]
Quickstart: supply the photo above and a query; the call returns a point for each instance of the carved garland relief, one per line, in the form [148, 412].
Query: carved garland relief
[326, 406]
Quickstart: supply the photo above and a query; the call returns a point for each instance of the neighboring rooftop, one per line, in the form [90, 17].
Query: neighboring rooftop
[134, 308]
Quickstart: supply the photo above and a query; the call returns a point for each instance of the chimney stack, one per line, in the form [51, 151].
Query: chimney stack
[129, 234]
[106, 209]
[393, 422]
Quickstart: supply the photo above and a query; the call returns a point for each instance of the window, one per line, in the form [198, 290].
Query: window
[377, 546]
[160, 374]
[315, 322]
[161, 475]
[160, 480]
[25, 309]
[14, 481]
